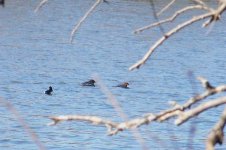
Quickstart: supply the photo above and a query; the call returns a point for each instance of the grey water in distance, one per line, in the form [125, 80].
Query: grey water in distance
[35, 53]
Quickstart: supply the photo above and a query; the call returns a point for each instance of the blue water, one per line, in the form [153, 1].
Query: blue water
[35, 53]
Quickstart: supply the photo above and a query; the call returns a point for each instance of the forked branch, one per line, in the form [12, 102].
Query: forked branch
[213, 14]
[166, 36]
[172, 18]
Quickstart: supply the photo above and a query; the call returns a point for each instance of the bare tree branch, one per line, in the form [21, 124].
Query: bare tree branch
[214, 15]
[178, 110]
[166, 36]
[217, 133]
[217, 13]
[76, 27]
[92, 119]
[184, 116]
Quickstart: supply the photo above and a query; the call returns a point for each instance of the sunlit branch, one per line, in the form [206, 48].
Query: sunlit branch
[184, 116]
[213, 14]
[92, 119]
[166, 36]
[217, 13]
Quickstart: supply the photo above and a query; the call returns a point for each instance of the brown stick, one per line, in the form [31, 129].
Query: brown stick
[92, 119]
[217, 133]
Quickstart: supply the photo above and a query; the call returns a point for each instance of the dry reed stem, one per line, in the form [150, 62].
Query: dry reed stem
[92, 119]
[23, 123]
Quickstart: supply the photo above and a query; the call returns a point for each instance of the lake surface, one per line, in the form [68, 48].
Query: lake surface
[35, 53]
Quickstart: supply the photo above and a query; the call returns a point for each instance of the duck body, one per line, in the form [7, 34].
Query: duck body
[89, 83]
[123, 85]
[49, 91]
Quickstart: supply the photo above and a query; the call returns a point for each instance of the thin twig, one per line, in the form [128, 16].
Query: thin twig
[42, 3]
[76, 27]
[166, 7]
[170, 19]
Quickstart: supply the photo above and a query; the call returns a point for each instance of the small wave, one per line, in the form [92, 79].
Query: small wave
[17, 82]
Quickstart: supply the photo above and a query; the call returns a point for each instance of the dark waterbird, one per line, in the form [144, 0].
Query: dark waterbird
[49, 91]
[2, 2]
[123, 85]
[89, 83]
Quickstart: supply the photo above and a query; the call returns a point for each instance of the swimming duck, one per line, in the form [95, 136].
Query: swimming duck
[123, 85]
[2, 2]
[49, 91]
[89, 83]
